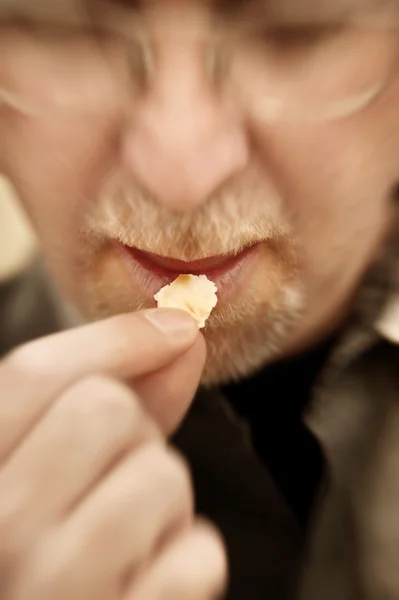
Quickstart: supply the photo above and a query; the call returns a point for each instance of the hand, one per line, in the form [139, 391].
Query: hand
[93, 503]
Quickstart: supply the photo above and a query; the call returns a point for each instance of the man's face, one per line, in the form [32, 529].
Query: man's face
[140, 132]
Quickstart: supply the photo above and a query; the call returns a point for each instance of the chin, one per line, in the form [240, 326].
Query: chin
[251, 337]
[241, 337]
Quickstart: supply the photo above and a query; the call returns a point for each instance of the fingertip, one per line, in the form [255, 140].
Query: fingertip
[178, 325]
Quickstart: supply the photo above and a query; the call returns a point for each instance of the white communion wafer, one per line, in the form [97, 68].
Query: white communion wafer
[195, 294]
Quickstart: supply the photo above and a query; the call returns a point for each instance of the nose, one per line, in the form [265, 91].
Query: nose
[184, 142]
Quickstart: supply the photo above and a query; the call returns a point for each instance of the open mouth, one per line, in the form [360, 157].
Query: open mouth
[152, 271]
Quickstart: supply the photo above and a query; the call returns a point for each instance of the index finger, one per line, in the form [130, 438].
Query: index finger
[124, 347]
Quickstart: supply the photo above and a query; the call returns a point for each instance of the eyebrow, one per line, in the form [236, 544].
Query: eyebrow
[68, 11]
[304, 11]
[275, 12]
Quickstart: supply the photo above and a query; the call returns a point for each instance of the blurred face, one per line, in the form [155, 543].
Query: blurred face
[256, 142]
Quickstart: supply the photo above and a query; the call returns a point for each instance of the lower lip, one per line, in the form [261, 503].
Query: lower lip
[229, 277]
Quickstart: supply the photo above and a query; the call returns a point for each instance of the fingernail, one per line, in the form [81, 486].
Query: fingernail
[176, 323]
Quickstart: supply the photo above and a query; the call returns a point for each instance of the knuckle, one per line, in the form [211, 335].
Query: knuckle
[14, 532]
[217, 552]
[48, 572]
[173, 471]
[9, 514]
[203, 561]
[104, 394]
[34, 358]
[112, 407]
[106, 400]
[186, 585]
[165, 472]
[196, 575]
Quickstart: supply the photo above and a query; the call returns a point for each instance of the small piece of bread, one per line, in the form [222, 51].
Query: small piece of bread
[195, 294]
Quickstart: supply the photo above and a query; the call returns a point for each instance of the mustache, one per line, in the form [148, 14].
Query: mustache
[241, 214]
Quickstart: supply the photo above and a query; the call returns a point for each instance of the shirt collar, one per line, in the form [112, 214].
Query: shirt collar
[336, 418]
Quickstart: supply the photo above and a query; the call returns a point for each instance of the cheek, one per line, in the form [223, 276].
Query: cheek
[55, 167]
[54, 149]
[335, 181]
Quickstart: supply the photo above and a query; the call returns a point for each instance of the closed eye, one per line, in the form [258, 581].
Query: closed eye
[299, 36]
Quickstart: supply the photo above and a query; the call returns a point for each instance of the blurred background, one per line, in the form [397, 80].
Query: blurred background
[17, 241]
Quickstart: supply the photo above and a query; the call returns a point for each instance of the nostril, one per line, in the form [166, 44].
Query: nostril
[182, 163]
[183, 175]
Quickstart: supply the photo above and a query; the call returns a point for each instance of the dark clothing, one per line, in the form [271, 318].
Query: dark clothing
[277, 427]
[236, 491]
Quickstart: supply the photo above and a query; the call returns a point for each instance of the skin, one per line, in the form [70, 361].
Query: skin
[96, 155]
[119, 523]
[173, 159]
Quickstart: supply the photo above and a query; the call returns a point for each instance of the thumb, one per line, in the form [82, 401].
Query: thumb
[168, 393]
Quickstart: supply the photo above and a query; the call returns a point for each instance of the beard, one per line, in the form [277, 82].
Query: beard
[250, 330]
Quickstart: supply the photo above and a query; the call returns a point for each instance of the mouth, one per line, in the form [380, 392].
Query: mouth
[229, 272]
